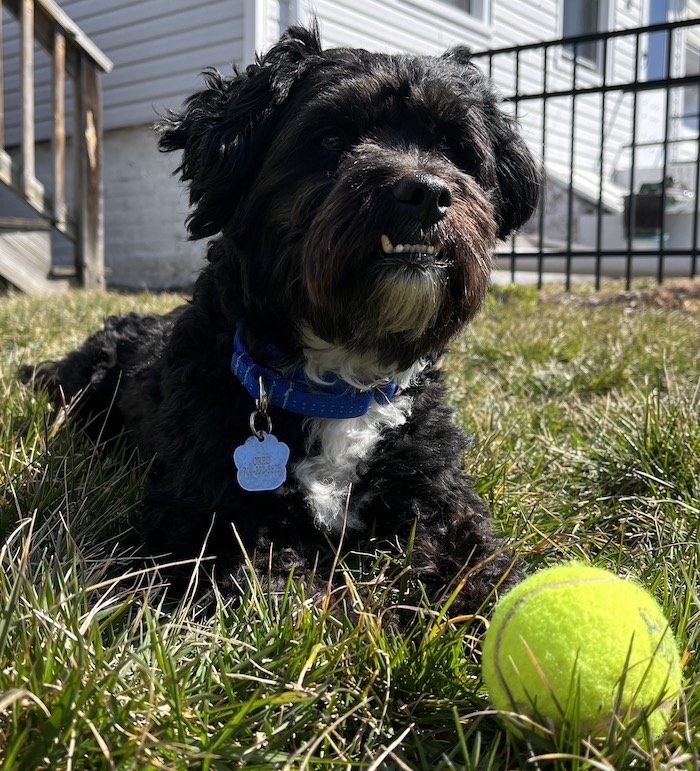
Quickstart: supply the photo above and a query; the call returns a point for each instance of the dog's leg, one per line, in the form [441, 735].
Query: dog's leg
[91, 378]
[417, 488]
[457, 548]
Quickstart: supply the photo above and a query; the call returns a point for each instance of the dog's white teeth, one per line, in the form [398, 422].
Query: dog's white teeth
[427, 249]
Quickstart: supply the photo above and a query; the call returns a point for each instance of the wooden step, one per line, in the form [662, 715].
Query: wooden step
[25, 261]
[24, 223]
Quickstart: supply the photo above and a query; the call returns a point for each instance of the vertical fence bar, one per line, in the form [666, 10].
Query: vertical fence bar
[540, 224]
[664, 172]
[516, 114]
[696, 213]
[696, 225]
[601, 171]
[696, 210]
[5, 165]
[572, 145]
[58, 136]
[513, 258]
[632, 206]
[2, 91]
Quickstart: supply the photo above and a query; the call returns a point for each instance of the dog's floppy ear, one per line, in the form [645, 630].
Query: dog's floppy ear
[460, 54]
[519, 179]
[518, 176]
[224, 129]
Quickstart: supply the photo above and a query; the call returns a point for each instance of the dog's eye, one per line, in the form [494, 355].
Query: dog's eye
[332, 141]
[444, 147]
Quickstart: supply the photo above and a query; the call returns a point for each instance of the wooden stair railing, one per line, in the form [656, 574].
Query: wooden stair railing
[73, 55]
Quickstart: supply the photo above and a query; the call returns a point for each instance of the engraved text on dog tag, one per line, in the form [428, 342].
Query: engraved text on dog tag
[261, 464]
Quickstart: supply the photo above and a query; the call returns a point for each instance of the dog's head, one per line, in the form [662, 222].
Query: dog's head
[362, 194]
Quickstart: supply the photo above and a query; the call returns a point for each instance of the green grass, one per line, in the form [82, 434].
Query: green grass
[586, 426]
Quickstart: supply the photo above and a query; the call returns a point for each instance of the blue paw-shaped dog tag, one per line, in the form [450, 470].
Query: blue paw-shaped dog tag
[261, 464]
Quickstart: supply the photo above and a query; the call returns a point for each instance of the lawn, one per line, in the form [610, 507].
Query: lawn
[585, 415]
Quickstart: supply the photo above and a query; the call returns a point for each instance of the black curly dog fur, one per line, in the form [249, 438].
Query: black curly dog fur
[354, 200]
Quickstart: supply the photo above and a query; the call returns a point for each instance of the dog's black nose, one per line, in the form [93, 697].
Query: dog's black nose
[426, 196]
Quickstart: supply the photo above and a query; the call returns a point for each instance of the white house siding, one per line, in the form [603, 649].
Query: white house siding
[273, 12]
[158, 47]
[413, 26]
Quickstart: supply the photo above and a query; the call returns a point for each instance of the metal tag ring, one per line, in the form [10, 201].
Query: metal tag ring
[258, 433]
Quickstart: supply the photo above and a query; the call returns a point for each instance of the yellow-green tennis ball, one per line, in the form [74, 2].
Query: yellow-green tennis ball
[577, 643]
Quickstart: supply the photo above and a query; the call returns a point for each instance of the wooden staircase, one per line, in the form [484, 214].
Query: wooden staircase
[25, 254]
[25, 241]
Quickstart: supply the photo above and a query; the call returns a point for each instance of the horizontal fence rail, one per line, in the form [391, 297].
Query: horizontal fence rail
[614, 120]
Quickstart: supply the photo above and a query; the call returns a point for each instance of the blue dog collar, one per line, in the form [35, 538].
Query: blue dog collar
[296, 393]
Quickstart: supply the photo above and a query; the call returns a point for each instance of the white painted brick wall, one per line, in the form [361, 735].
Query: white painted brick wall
[145, 210]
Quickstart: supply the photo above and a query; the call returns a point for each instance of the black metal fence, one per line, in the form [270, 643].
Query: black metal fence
[614, 119]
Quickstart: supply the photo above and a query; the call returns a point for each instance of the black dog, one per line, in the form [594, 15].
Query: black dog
[355, 199]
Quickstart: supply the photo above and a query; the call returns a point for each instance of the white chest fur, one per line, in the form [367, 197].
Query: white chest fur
[334, 450]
